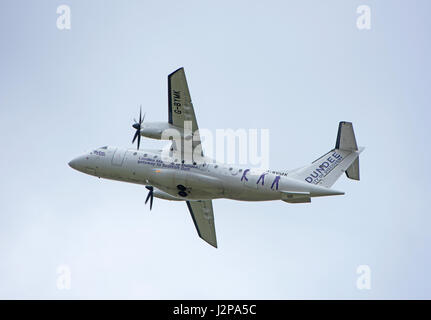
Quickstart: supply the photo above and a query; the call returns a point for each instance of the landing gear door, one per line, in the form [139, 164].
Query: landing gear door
[118, 157]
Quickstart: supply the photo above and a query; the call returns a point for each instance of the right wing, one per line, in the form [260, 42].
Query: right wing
[203, 218]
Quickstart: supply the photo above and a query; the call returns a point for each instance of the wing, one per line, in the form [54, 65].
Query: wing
[203, 218]
[180, 104]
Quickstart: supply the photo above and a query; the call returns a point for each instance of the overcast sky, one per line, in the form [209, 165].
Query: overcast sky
[296, 68]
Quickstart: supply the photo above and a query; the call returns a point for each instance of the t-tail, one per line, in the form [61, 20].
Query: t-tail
[329, 167]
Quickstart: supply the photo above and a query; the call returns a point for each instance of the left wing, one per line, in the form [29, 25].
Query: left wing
[180, 106]
[203, 218]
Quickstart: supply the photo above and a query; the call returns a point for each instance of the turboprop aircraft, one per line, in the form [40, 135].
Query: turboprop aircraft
[182, 173]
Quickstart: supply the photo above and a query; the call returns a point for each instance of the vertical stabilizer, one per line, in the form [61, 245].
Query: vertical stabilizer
[329, 167]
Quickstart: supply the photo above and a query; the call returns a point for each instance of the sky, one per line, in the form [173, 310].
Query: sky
[296, 68]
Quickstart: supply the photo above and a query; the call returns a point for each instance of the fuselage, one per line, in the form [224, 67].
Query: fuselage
[205, 180]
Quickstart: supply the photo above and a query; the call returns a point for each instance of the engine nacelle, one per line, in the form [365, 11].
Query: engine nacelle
[164, 195]
[155, 130]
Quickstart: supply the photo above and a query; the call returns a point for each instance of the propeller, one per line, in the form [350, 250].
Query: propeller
[150, 195]
[137, 125]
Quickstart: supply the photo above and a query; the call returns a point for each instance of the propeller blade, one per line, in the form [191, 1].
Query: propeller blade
[140, 112]
[137, 126]
[151, 200]
[148, 196]
[135, 136]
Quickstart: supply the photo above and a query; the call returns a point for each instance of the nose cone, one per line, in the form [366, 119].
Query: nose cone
[73, 164]
[77, 163]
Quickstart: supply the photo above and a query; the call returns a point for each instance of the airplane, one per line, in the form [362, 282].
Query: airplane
[178, 174]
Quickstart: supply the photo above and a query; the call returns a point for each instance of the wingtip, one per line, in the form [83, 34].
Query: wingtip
[211, 242]
[172, 73]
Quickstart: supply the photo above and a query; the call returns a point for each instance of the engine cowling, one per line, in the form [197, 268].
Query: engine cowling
[155, 130]
[164, 195]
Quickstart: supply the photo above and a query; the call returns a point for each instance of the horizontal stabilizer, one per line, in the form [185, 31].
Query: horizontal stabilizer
[353, 171]
[299, 200]
[296, 197]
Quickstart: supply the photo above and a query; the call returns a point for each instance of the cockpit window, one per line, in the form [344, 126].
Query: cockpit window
[105, 147]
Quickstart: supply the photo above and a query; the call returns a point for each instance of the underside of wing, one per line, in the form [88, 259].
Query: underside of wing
[203, 218]
[180, 107]
[180, 102]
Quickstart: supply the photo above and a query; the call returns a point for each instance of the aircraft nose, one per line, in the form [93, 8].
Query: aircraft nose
[76, 163]
[72, 164]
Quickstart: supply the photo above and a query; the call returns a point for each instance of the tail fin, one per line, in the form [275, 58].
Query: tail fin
[329, 167]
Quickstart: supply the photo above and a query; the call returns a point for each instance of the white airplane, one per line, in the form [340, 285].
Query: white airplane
[178, 175]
